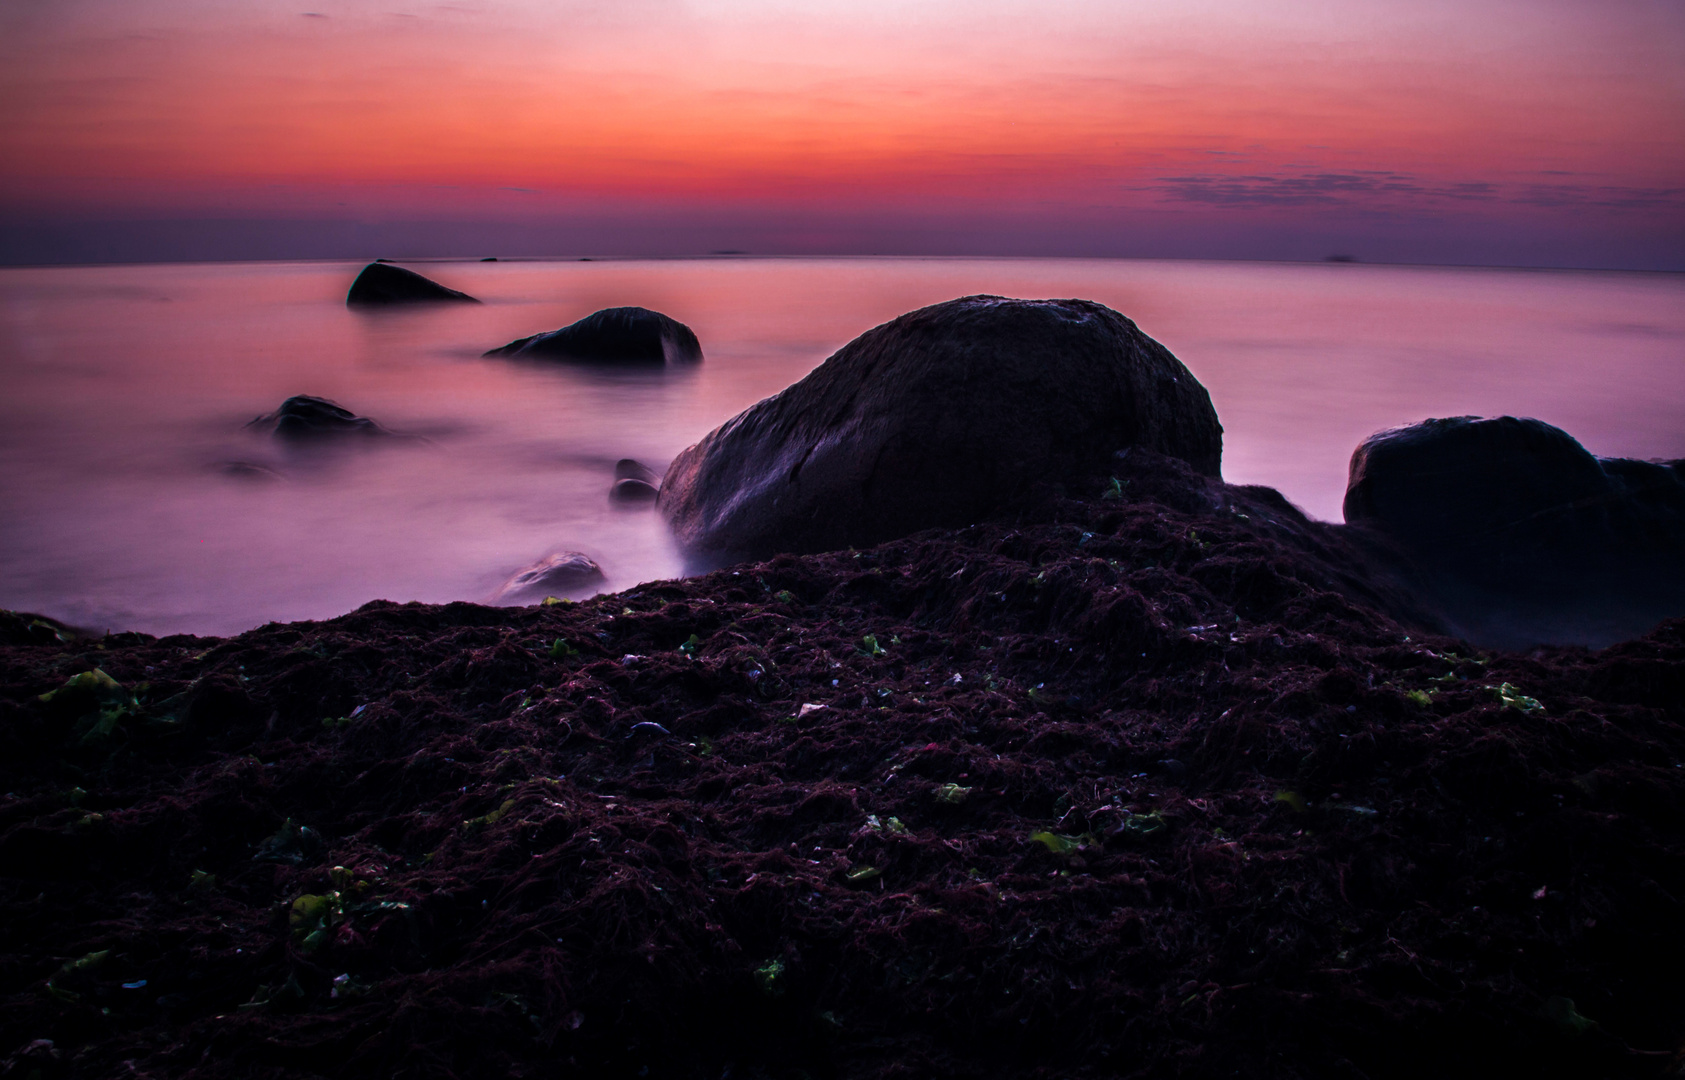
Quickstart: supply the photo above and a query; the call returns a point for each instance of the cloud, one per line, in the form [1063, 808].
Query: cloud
[1601, 196]
[1259, 190]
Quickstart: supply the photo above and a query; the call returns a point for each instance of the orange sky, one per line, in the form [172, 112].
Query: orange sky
[1509, 111]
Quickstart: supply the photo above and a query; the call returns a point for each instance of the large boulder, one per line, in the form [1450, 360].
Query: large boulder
[622, 335]
[938, 418]
[1524, 535]
[382, 283]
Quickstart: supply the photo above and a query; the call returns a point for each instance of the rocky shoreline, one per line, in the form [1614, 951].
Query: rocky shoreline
[1142, 774]
[1165, 784]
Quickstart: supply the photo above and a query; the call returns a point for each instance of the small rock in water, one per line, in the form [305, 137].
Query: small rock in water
[633, 491]
[381, 284]
[623, 336]
[560, 572]
[304, 418]
[632, 469]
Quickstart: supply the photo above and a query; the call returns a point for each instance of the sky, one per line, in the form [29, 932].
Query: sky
[1499, 132]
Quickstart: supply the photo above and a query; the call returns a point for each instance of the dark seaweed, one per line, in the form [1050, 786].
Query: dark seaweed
[1136, 786]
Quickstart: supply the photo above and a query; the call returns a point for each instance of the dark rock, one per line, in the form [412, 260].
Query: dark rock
[560, 572]
[630, 469]
[634, 483]
[1523, 535]
[381, 283]
[303, 418]
[623, 335]
[633, 491]
[940, 417]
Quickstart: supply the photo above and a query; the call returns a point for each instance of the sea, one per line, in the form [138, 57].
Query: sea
[133, 496]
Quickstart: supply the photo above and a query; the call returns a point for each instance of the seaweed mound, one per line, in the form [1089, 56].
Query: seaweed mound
[1142, 786]
[1523, 534]
[632, 336]
[940, 417]
[381, 284]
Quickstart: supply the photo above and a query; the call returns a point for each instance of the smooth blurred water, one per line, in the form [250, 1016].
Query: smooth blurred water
[125, 391]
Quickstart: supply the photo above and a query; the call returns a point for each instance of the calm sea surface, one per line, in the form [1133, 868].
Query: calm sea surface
[124, 391]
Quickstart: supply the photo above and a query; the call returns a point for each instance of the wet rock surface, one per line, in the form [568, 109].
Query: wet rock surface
[382, 284]
[631, 336]
[558, 572]
[942, 416]
[1146, 785]
[1521, 533]
[634, 492]
[635, 484]
[306, 419]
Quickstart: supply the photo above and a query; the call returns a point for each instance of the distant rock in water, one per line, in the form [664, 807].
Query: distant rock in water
[632, 491]
[1524, 536]
[941, 417]
[309, 419]
[632, 469]
[620, 336]
[561, 572]
[635, 483]
[382, 283]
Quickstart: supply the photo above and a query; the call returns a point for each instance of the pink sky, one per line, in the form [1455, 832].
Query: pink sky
[1531, 131]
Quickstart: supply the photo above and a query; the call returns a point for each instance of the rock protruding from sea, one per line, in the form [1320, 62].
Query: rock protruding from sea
[635, 483]
[304, 419]
[556, 573]
[381, 284]
[941, 417]
[632, 336]
[1524, 535]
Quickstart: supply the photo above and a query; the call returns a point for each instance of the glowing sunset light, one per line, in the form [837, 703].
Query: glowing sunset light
[1493, 112]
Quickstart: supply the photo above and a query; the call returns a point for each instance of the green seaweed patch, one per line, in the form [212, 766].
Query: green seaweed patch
[491, 818]
[1565, 1017]
[95, 700]
[952, 794]
[312, 918]
[1515, 699]
[869, 646]
[770, 977]
[1295, 801]
[561, 650]
[1143, 825]
[1060, 844]
[79, 969]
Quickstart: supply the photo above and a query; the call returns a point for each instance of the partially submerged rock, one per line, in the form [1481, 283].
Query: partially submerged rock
[560, 572]
[303, 418]
[634, 483]
[634, 491]
[620, 336]
[1523, 534]
[382, 283]
[940, 417]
